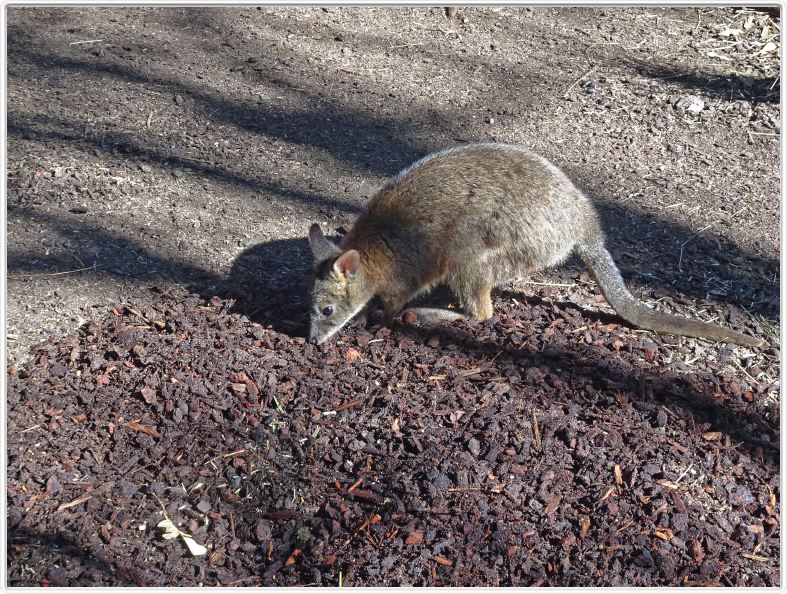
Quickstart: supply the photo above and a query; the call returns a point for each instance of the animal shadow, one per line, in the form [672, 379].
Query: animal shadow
[269, 283]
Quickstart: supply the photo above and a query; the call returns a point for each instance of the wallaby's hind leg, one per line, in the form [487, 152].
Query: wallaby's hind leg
[478, 302]
[485, 308]
[432, 316]
[474, 292]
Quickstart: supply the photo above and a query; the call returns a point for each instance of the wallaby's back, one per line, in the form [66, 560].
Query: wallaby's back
[496, 205]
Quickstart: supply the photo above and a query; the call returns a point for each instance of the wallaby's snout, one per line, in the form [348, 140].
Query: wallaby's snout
[315, 336]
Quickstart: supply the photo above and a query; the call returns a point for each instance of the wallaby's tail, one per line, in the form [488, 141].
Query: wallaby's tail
[607, 275]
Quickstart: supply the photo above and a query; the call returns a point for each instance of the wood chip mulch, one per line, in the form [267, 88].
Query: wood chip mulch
[543, 447]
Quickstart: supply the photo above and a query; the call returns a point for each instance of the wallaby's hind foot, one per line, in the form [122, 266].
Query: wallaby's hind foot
[433, 316]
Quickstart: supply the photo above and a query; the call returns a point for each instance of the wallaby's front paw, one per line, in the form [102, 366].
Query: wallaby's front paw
[361, 320]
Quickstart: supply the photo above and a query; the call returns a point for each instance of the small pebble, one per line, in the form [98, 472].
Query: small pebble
[690, 104]
[589, 86]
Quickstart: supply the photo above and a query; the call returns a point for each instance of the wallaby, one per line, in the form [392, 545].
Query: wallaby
[472, 217]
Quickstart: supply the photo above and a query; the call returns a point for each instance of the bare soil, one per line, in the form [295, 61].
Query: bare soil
[163, 167]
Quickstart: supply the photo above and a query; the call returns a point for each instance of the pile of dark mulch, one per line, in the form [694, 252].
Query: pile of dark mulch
[544, 447]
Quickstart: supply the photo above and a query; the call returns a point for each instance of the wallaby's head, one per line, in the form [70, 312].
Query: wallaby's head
[339, 289]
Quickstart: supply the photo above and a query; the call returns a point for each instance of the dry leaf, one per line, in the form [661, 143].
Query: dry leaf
[727, 32]
[618, 475]
[768, 47]
[170, 531]
[664, 534]
[414, 538]
[712, 436]
[584, 526]
[352, 355]
[195, 548]
[395, 428]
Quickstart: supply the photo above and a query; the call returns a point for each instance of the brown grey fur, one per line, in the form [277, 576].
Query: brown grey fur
[472, 217]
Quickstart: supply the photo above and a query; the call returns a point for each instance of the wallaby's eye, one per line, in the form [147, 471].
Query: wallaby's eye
[327, 311]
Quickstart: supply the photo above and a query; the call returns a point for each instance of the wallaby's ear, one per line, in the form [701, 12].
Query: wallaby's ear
[348, 263]
[322, 249]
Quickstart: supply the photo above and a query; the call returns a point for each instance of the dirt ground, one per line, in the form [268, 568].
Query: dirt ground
[157, 152]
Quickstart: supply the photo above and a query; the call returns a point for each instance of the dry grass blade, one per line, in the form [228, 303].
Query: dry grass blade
[75, 502]
[137, 426]
[759, 558]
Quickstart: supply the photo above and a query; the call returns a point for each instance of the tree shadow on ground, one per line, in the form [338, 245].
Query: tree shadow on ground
[48, 129]
[695, 396]
[365, 140]
[729, 87]
[63, 545]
